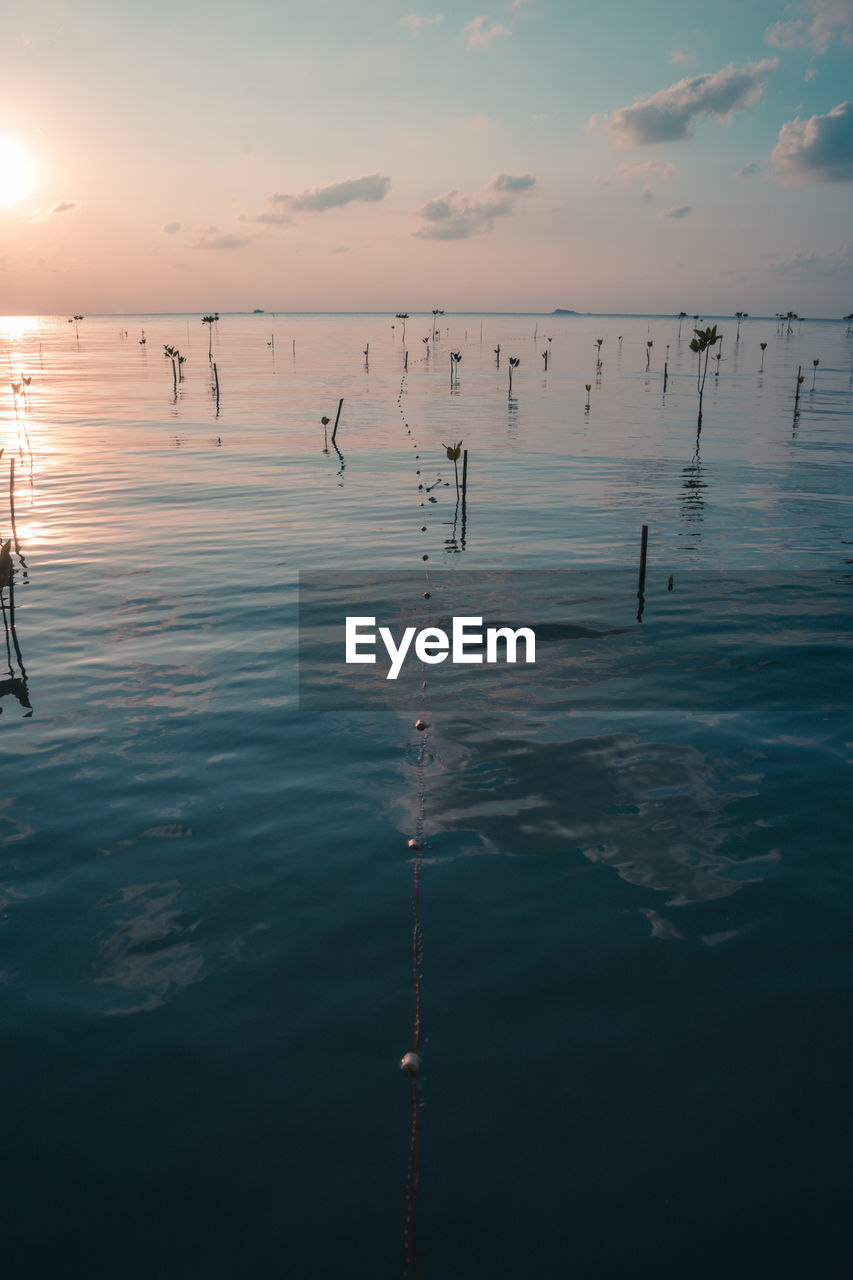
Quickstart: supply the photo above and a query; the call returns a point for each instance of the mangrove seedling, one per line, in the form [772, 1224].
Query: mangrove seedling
[143, 339]
[588, 386]
[425, 341]
[800, 381]
[454, 453]
[455, 358]
[403, 315]
[435, 312]
[514, 362]
[545, 358]
[815, 364]
[703, 342]
[649, 346]
[741, 315]
[210, 321]
[498, 355]
[325, 421]
[173, 354]
[682, 315]
[763, 346]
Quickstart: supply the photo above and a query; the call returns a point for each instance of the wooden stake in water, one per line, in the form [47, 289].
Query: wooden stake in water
[641, 586]
[337, 419]
[464, 474]
[216, 381]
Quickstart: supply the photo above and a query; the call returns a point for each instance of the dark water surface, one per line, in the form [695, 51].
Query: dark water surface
[635, 892]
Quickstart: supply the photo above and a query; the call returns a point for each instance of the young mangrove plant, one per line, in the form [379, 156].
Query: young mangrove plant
[649, 346]
[454, 453]
[800, 381]
[599, 342]
[435, 312]
[815, 364]
[455, 360]
[498, 356]
[210, 321]
[514, 362]
[545, 358]
[403, 315]
[741, 315]
[763, 346]
[74, 320]
[173, 354]
[588, 386]
[704, 340]
[682, 315]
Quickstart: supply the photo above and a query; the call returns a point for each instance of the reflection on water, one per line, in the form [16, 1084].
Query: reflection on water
[655, 813]
[148, 950]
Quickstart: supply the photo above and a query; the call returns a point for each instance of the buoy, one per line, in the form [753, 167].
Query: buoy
[410, 1064]
[415, 843]
[421, 724]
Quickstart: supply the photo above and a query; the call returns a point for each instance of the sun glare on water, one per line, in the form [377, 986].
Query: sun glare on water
[16, 172]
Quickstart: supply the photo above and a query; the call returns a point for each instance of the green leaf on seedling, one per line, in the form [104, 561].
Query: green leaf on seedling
[325, 421]
[454, 451]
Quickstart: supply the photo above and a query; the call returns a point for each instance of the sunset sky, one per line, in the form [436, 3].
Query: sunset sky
[373, 156]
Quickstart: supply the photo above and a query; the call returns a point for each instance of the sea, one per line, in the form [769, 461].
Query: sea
[605, 897]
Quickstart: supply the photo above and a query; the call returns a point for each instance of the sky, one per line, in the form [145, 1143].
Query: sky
[515, 156]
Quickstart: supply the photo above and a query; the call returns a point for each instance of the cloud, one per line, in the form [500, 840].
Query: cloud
[512, 182]
[273, 218]
[747, 170]
[836, 263]
[414, 21]
[667, 115]
[821, 22]
[342, 248]
[62, 206]
[370, 188]
[677, 211]
[223, 242]
[819, 149]
[681, 56]
[172, 228]
[456, 217]
[479, 36]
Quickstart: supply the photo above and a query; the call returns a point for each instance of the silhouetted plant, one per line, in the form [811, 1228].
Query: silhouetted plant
[703, 342]
[514, 362]
[403, 315]
[682, 315]
[455, 360]
[210, 321]
[435, 312]
[454, 452]
[588, 386]
[498, 355]
[763, 346]
[649, 346]
[815, 364]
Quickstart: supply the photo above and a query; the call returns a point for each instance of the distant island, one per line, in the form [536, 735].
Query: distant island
[258, 311]
[561, 311]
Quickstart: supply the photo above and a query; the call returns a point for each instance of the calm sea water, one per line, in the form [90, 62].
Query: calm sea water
[635, 894]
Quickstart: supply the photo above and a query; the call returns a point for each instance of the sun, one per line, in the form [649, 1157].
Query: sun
[16, 172]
